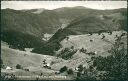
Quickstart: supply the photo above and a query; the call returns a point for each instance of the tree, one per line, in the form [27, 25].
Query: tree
[67, 53]
[70, 71]
[1, 61]
[119, 66]
[72, 47]
[63, 69]
[78, 74]
[116, 64]
[18, 66]
[80, 68]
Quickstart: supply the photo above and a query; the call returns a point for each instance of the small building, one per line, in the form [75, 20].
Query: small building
[67, 38]
[46, 36]
[47, 65]
[76, 69]
[103, 36]
[28, 49]
[95, 52]
[8, 68]
[91, 40]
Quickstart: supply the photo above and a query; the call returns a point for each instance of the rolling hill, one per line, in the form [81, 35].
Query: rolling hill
[73, 28]
[25, 28]
[33, 61]
[93, 21]
[30, 23]
[73, 20]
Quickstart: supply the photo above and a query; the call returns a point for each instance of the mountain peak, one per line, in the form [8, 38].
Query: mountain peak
[38, 11]
[80, 7]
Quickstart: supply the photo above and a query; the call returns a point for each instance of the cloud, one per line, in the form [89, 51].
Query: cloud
[18, 5]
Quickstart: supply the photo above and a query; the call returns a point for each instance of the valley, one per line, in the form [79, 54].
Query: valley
[67, 43]
[34, 62]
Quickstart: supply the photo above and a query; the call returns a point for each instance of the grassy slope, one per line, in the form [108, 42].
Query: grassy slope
[84, 25]
[11, 57]
[32, 61]
[98, 44]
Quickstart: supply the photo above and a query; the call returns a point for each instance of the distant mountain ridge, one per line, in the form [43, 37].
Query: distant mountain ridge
[25, 24]
[77, 20]
[93, 21]
[103, 20]
[28, 22]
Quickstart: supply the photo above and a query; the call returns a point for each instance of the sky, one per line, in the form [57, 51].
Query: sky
[18, 5]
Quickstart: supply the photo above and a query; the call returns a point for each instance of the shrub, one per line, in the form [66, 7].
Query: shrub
[70, 71]
[83, 50]
[78, 74]
[80, 68]
[72, 47]
[67, 53]
[18, 66]
[63, 69]
[1, 62]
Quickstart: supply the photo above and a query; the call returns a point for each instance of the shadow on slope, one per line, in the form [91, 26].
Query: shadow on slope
[18, 40]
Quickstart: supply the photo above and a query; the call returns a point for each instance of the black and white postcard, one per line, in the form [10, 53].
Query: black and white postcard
[64, 40]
